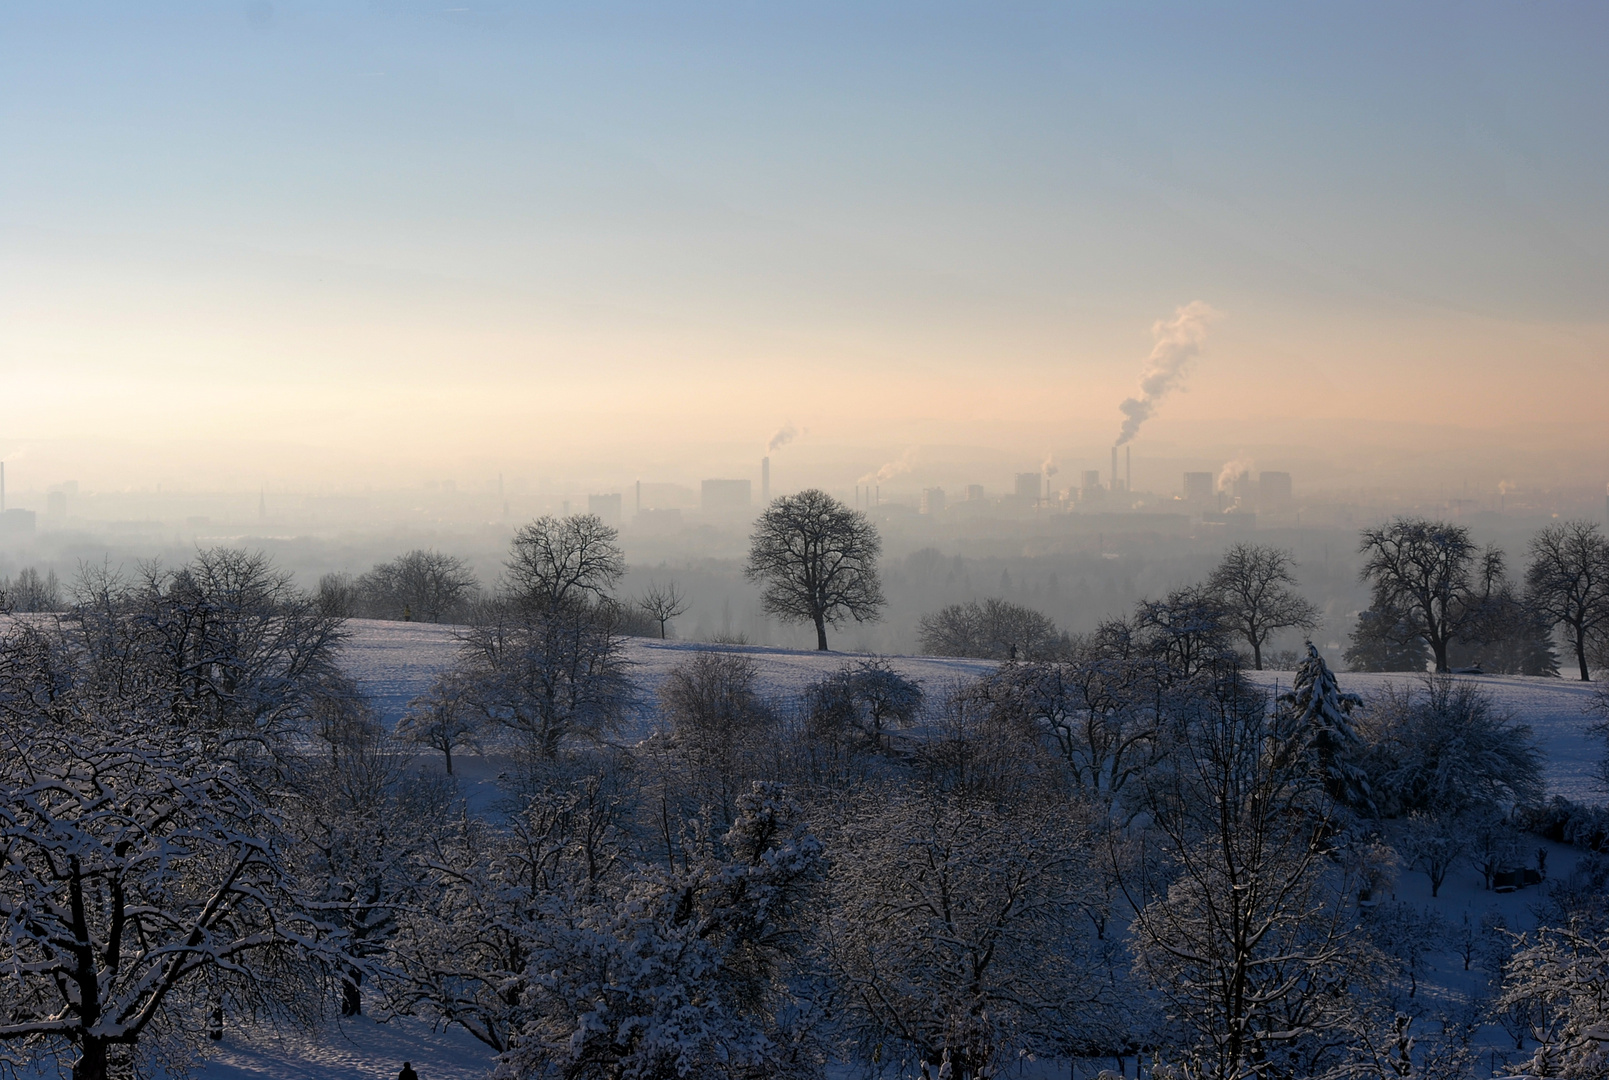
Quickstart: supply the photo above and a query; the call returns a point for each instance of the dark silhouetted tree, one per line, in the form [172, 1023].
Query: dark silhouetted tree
[1254, 587]
[1568, 583]
[818, 561]
[663, 603]
[1432, 572]
[555, 562]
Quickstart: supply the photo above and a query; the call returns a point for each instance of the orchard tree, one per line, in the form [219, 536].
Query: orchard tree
[1255, 590]
[1432, 572]
[1568, 582]
[818, 560]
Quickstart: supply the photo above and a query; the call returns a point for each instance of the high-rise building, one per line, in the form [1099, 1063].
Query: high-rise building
[933, 500]
[975, 493]
[606, 507]
[765, 480]
[1198, 489]
[1089, 489]
[1029, 490]
[1273, 490]
[725, 496]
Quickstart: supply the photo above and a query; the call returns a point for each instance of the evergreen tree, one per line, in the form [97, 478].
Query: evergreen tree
[1385, 640]
[1317, 716]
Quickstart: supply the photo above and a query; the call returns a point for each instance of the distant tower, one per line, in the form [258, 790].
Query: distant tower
[765, 480]
[1115, 484]
[1128, 468]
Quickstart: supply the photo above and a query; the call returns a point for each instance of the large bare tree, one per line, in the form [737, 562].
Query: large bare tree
[1568, 582]
[663, 603]
[818, 560]
[555, 562]
[1254, 586]
[1433, 572]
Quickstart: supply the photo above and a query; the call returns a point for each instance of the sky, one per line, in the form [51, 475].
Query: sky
[330, 244]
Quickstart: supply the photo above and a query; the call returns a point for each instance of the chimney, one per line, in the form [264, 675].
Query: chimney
[1128, 468]
[1114, 470]
[765, 480]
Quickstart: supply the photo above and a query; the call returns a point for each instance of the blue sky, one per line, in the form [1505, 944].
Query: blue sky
[531, 229]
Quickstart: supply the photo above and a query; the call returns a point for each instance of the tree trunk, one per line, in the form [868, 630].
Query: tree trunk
[92, 1060]
[1581, 656]
[447, 752]
[351, 995]
[1257, 656]
[1438, 647]
[821, 633]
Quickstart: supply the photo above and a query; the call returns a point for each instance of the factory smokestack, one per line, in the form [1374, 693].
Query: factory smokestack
[1114, 471]
[1128, 468]
[765, 480]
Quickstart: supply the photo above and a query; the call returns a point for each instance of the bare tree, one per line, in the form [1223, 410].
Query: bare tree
[818, 559]
[663, 603]
[994, 630]
[1254, 586]
[1568, 581]
[29, 591]
[441, 719]
[555, 562]
[547, 675]
[1431, 571]
[422, 585]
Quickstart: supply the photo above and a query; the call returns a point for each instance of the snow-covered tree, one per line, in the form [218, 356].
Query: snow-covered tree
[1559, 978]
[954, 930]
[546, 675]
[362, 825]
[225, 644]
[442, 720]
[683, 972]
[1242, 924]
[862, 700]
[141, 889]
[1317, 715]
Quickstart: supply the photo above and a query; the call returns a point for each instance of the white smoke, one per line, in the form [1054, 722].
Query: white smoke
[785, 435]
[1178, 341]
[894, 468]
[1048, 466]
[1504, 488]
[1233, 471]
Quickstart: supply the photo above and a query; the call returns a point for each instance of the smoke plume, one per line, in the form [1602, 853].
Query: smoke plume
[892, 469]
[1048, 466]
[1178, 341]
[1233, 471]
[785, 435]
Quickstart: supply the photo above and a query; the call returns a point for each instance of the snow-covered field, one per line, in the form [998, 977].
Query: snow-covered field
[394, 662]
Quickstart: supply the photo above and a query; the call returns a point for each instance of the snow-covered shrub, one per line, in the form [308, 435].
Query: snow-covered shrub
[1445, 748]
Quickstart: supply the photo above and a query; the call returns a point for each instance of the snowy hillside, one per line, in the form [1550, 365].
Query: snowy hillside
[395, 661]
